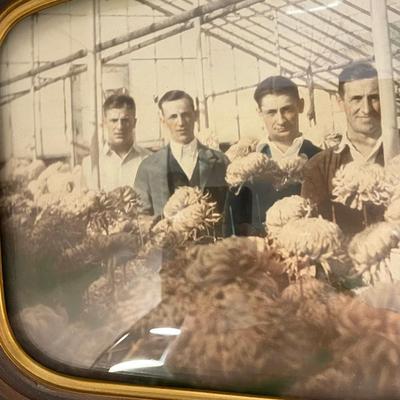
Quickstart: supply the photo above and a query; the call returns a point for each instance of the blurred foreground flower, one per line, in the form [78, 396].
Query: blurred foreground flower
[251, 261]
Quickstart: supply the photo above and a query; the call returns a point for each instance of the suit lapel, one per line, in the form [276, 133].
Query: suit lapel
[162, 176]
[206, 160]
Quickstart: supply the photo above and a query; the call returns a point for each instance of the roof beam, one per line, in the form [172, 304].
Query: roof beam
[331, 23]
[34, 71]
[332, 37]
[365, 12]
[338, 53]
[242, 48]
[185, 16]
[216, 9]
[326, 58]
[246, 49]
[352, 20]
[217, 36]
[13, 96]
[291, 52]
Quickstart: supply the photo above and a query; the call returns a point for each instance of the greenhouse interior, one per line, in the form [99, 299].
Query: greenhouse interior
[266, 261]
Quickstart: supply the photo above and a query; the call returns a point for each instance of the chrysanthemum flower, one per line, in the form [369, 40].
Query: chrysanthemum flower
[370, 252]
[356, 184]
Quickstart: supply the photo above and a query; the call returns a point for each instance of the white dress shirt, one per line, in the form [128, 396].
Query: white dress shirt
[355, 154]
[186, 155]
[115, 171]
[277, 153]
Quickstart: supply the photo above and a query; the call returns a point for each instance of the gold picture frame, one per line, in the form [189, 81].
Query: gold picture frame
[83, 385]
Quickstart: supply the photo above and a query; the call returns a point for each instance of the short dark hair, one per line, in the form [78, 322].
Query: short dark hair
[119, 101]
[354, 72]
[175, 95]
[276, 85]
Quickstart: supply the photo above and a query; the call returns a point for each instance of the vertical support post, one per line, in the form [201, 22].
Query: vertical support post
[203, 115]
[9, 131]
[277, 44]
[236, 92]
[68, 122]
[211, 97]
[92, 72]
[383, 60]
[33, 93]
[161, 134]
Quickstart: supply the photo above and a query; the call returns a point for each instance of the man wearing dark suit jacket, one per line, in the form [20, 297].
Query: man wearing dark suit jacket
[183, 162]
[279, 106]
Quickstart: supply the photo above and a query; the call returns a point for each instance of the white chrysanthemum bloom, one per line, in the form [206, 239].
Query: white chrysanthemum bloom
[187, 212]
[316, 238]
[254, 166]
[47, 200]
[183, 196]
[14, 169]
[392, 173]
[292, 167]
[208, 138]
[370, 252]
[78, 203]
[356, 184]
[241, 149]
[285, 210]
[56, 178]
[34, 169]
[392, 213]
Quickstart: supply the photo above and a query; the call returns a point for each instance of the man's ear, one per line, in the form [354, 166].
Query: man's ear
[339, 100]
[300, 105]
[161, 115]
[134, 122]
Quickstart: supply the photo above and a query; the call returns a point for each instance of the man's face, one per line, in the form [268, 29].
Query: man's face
[280, 113]
[361, 105]
[179, 117]
[120, 124]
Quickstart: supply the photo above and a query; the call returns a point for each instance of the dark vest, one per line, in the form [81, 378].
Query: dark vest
[176, 176]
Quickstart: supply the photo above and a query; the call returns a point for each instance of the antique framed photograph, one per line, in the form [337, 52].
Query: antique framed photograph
[200, 199]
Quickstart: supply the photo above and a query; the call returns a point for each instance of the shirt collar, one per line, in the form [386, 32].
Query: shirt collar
[107, 151]
[178, 148]
[292, 150]
[355, 154]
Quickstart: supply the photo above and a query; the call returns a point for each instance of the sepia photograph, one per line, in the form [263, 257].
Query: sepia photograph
[205, 195]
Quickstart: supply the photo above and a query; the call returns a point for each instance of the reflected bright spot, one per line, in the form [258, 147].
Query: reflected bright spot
[121, 339]
[136, 364]
[165, 331]
[293, 11]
